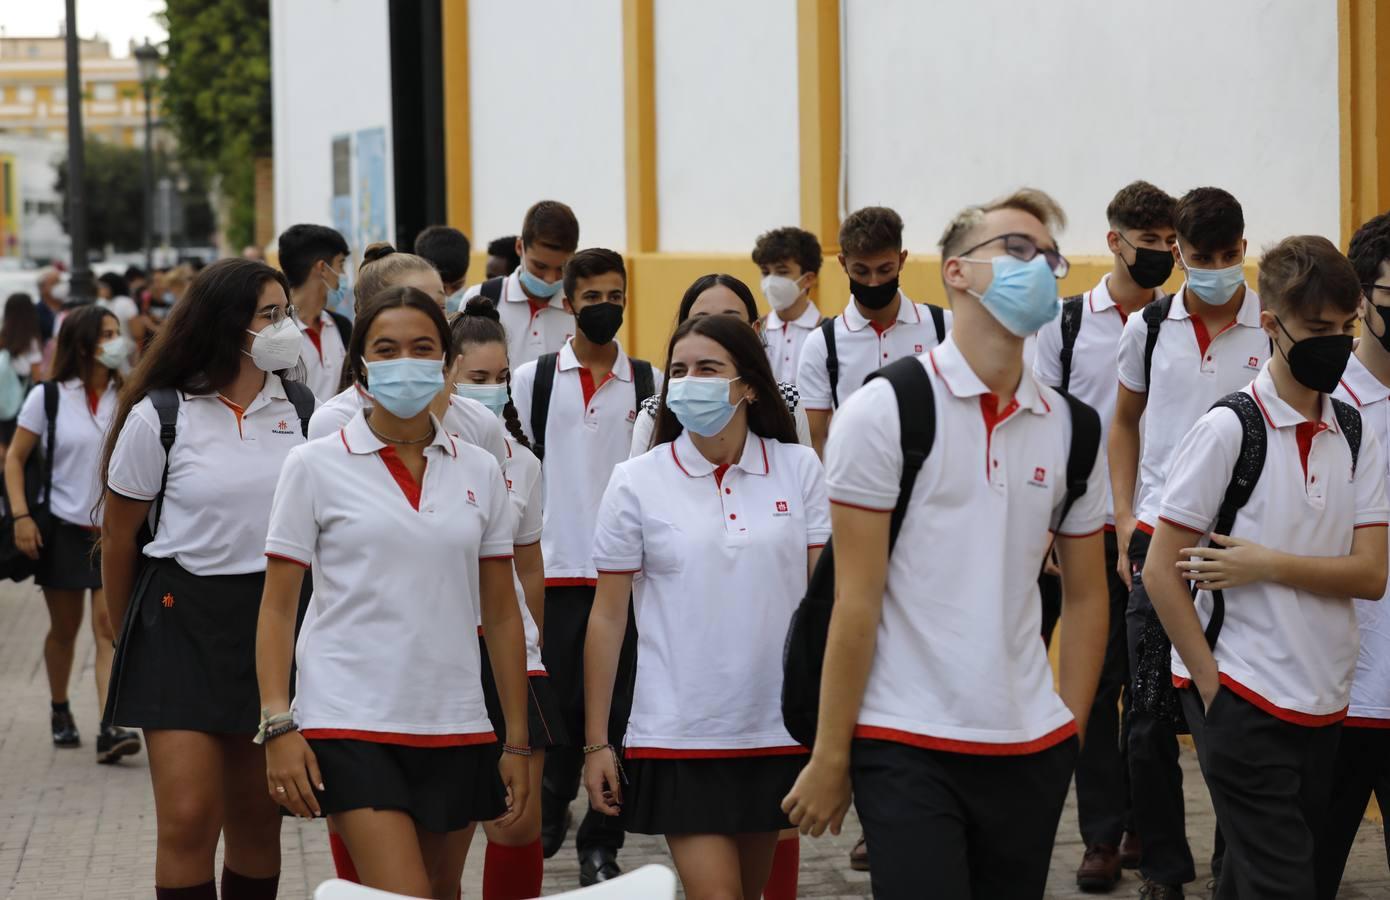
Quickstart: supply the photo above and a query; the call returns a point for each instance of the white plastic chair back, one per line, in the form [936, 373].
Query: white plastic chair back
[337, 889]
[652, 882]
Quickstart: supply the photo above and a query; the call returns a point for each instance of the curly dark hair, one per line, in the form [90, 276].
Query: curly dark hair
[1209, 219]
[871, 230]
[1141, 206]
[781, 244]
[1370, 247]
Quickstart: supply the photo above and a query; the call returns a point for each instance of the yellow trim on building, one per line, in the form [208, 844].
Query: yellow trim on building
[639, 123]
[1363, 38]
[818, 94]
[458, 155]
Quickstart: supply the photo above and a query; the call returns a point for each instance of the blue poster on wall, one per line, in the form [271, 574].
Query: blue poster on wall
[371, 186]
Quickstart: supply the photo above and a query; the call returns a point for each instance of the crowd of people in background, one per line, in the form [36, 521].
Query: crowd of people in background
[368, 543]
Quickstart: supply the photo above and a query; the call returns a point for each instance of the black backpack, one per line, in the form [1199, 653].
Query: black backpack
[344, 326]
[38, 487]
[832, 356]
[643, 382]
[803, 655]
[1154, 312]
[1071, 327]
[492, 290]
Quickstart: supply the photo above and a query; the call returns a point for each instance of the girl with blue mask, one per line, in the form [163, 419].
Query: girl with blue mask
[723, 518]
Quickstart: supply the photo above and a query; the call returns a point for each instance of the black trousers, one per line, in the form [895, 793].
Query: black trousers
[955, 826]
[1102, 770]
[1362, 768]
[1270, 782]
[566, 623]
[1154, 774]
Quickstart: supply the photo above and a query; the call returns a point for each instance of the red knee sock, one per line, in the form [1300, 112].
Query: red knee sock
[512, 873]
[342, 860]
[786, 863]
[205, 891]
[236, 886]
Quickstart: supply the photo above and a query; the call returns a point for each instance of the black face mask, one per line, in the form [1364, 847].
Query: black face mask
[1150, 267]
[600, 321]
[1384, 313]
[1318, 362]
[877, 296]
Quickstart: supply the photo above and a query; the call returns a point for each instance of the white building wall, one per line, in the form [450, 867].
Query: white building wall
[727, 151]
[546, 114]
[330, 77]
[951, 104]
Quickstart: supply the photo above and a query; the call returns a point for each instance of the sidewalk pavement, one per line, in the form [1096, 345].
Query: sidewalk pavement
[73, 830]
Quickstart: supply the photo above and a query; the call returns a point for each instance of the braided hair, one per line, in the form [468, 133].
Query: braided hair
[479, 323]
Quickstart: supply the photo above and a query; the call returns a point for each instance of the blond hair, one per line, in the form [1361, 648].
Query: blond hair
[1032, 201]
[382, 264]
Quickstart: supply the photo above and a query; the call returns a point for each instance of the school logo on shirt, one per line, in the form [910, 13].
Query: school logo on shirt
[509, 485]
[1252, 363]
[281, 427]
[472, 498]
[918, 348]
[631, 416]
[783, 509]
[168, 601]
[1039, 477]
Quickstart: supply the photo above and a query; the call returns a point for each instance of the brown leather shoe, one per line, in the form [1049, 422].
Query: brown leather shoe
[1099, 870]
[1131, 850]
[859, 857]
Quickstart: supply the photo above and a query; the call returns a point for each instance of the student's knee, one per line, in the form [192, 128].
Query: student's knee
[101, 625]
[188, 826]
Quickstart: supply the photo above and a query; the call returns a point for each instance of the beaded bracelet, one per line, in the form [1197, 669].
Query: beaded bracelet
[594, 748]
[273, 733]
[270, 722]
[519, 751]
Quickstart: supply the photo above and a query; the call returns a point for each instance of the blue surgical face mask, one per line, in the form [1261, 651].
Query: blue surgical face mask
[454, 302]
[535, 286]
[336, 295]
[1214, 286]
[1022, 296]
[701, 404]
[403, 387]
[493, 396]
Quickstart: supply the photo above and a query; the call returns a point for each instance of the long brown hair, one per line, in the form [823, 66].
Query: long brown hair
[78, 339]
[768, 418]
[19, 328]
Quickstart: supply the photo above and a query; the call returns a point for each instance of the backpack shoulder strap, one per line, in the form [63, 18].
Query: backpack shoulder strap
[1081, 454]
[1349, 420]
[1246, 474]
[917, 422]
[165, 401]
[1071, 327]
[492, 289]
[344, 326]
[540, 400]
[938, 320]
[1154, 314]
[832, 361]
[643, 381]
[50, 411]
[303, 400]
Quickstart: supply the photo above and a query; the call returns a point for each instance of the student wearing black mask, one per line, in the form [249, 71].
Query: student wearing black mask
[879, 325]
[577, 408]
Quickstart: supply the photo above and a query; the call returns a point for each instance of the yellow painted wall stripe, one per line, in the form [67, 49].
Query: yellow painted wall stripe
[1363, 37]
[818, 89]
[458, 155]
[639, 121]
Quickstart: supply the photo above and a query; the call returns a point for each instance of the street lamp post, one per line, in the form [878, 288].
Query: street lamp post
[147, 56]
[81, 278]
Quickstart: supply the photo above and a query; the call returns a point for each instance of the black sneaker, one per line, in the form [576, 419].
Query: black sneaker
[113, 743]
[1152, 890]
[65, 729]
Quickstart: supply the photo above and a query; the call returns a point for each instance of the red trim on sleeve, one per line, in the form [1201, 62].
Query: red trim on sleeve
[398, 739]
[815, 546]
[1365, 722]
[404, 479]
[663, 753]
[1176, 524]
[288, 559]
[1145, 527]
[1371, 525]
[857, 506]
[1292, 716]
[571, 582]
[976, 748]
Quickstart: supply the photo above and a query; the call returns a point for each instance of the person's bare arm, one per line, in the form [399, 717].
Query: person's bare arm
[602, 643]
[1236, 562]
[1085, 622]
[121, 519]
[530, 570]
[1123, 455]
[506, 647]
[819, 422]
[26, 533]
[1173, 603]
[291, 768]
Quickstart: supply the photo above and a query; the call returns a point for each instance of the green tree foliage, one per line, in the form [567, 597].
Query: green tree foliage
[217, 95]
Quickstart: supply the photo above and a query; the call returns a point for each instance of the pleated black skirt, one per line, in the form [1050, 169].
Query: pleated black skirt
[737, 795]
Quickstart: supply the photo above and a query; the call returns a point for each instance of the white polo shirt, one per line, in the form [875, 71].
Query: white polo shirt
[1191, 371]
[323, 355]
[387, 654]
[719, 556]
[79, 438]
[1287, 651]
[784, 339]
[1093, 365]
[533, 327]
[959, 666]
[1370, 687]
[862, 349]
[588, 432]
[222, 472]
[466, 419]
[522, 474]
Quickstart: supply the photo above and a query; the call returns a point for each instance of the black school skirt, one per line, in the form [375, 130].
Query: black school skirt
[442, 789]
[736, 795]
[70, 561]
[546, 724]
[186, 658]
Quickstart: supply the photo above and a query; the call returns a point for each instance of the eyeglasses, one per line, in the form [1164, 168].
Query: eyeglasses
[1024, 248]
[1372, 286]
[276, 314]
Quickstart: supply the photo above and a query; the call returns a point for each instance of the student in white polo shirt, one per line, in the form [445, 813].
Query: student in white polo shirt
[1176, 358]
[1265, 656]
[1363, 752]
[937, 698]
[577, 408]
[531, 299]
[81, 391]
[1076, 353]
[314, 259]
[390, 737]
[728, 508]
[878, 326]
[789, 260]
[200, 432]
